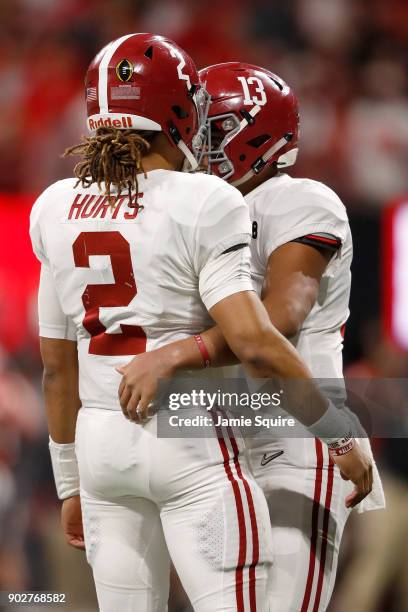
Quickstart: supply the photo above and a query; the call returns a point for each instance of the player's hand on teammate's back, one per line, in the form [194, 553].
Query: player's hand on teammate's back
[356, 466]
[139, 383]
[71, 520]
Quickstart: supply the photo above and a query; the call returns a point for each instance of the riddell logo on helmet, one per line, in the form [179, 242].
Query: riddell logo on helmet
[123, 122]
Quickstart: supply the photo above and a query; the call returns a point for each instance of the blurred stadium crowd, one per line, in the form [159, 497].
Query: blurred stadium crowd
[343, 57]
[347, 61]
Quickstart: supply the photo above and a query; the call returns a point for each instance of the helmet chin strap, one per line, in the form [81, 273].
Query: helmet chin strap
[188, 154]
[265, 158]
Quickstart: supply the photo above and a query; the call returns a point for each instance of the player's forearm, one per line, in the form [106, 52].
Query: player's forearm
[270, 356]
[265, 353]
[273, 357]
[61, 404]
[61, 395]
[218, 349]
[185, 354]
[60, 387]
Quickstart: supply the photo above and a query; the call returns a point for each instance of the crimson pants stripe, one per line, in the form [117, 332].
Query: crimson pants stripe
[326, 517]
[239, 584]
[254, 525]
[315, 525]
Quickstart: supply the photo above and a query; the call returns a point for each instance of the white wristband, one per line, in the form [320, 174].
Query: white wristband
[341, 447]
[333, 425]
[65, 468]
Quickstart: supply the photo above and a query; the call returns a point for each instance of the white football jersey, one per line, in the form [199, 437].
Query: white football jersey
[129, 279]
[283, 209]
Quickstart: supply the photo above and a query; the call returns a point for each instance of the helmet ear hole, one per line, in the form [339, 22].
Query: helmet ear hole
[278, 85]
[258, 141]
[149, 52]
[242, 157]
[180, 112]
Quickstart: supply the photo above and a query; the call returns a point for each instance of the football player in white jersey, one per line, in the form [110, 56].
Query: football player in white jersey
[135, 255]
[301, 254]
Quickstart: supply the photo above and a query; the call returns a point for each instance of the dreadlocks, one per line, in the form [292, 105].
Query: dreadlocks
[113, 157]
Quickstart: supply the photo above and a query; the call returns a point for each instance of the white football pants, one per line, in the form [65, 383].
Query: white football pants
[306, 500]
[147, 500]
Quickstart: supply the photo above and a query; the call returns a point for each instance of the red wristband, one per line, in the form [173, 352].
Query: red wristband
[203, 350]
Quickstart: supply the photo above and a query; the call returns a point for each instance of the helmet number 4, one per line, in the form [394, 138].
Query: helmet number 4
[259, 89]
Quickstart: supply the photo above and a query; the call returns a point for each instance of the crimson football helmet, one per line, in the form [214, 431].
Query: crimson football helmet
[147, 82]
[253, 121]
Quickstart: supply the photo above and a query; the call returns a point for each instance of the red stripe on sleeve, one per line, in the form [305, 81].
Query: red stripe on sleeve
[324, 239]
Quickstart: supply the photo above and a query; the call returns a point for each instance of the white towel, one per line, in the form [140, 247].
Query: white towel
[376, 499]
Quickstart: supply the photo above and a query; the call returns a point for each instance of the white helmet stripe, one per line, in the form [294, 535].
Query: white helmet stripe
[103, 72]
[254, 111]
[274, 148]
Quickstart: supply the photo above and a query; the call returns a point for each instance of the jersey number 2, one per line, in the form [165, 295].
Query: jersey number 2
[132, 339]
